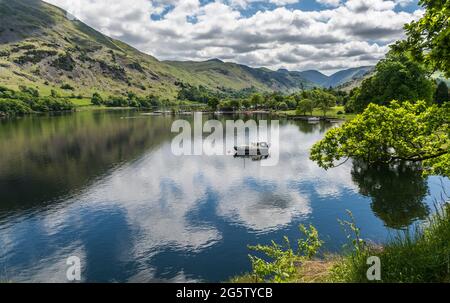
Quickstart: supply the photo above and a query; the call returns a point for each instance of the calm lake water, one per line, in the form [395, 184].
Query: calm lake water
[105, 186]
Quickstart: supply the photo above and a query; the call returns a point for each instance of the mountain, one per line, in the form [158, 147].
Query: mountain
[315, 77]
[348, 75]
[42, 48]
[337, 79]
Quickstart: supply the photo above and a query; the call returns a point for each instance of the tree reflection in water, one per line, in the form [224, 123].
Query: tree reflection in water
[397, 192]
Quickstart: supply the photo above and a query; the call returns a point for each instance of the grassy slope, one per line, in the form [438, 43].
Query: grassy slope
[103, 64]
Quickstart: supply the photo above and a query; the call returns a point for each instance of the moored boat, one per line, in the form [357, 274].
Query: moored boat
[260, 148]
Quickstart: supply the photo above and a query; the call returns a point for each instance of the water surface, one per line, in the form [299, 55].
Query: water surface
[105, 186]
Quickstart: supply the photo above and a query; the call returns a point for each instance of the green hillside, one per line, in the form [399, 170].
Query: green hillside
[40, 47]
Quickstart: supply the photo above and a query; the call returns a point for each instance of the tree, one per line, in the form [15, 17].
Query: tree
[401, 132]
[282, 106]
[305, 106]
[246, 103]
[54, 93]
[397, 77]
[441, 96]
[428, 39]
[213, 103]
[324, 100]
[96, 99]
[257, 100]
[235, 104]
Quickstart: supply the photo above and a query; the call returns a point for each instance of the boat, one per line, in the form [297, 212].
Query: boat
[313, 119]
[151, 114]
[260, 148]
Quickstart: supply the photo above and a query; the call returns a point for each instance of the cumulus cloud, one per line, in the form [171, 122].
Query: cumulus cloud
[343, 34]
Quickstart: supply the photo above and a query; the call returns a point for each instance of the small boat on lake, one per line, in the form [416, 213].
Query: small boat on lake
[314, 119]
[260, 148]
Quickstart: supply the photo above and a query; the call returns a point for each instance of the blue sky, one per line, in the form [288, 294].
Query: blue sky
[326, 35]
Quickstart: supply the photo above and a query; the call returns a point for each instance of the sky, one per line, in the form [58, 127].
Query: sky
[326, 35]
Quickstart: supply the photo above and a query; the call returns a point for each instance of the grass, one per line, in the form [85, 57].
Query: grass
[421, 255]
[81, 102]
[418, 256]
[332, 113]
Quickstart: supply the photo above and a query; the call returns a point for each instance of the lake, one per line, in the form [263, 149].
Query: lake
[105, 186]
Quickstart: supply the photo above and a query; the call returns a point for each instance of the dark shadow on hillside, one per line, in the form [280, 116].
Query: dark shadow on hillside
[21, 19]
[397, 192]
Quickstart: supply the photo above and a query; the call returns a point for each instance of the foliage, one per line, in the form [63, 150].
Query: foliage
[28, 100]
[97, 99]
[324, 100]
[29, 90]
[257, 100]
[419, 255]
[283, 259]
[397, 77]
[213, 103]
[192, 93]
[408, 132]
[132, 100]
[305, 106]
[11, 107]
[67, 87]
[428, 39]
[441, 96]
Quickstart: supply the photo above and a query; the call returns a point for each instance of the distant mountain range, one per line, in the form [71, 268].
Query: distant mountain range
[40, 47]
[338, 78]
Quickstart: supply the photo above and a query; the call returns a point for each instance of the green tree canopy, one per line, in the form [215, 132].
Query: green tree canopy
[257, 100]
[400, 132]
[305, 106]
[213, 103]
[441, 96]
[428, 39]
[397, 77]
[96, 99]
[323, 100]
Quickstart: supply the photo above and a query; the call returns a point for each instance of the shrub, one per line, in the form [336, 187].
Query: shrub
[11, 107]
[67, 87]
[284, 261]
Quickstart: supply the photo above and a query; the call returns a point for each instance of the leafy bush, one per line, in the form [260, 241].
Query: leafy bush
[11, 107]
[283, 261]
[97, 99]
[49, 104]
[28, 100]
[67, 87]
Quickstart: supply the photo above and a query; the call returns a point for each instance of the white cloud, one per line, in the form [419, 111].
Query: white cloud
[281, 37]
